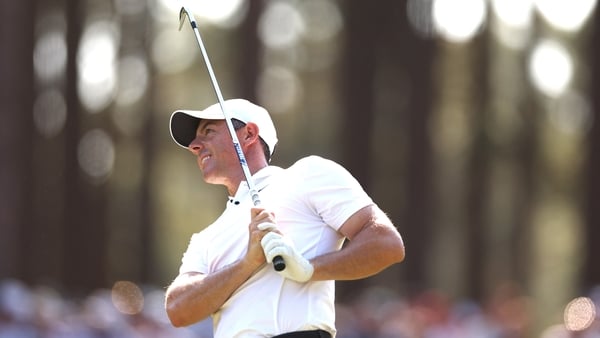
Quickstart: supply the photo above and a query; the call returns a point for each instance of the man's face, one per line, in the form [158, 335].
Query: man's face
[215, 153]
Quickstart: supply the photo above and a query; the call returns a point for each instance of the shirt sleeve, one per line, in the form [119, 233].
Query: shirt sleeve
[334, 193]
[195, 257]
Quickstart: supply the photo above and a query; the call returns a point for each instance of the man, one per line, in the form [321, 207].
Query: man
[306, 213]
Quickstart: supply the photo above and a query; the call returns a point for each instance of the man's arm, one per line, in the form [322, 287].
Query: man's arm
[193, 296]
[374, 245]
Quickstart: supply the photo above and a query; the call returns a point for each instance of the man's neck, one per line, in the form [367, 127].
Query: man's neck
[234, 186]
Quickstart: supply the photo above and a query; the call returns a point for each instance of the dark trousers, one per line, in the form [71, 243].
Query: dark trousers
[305, 334]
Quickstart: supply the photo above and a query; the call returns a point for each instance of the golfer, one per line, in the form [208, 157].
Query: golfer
[307, 211]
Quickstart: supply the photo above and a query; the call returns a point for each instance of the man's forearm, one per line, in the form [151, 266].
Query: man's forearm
[193, 296]
[372, 250]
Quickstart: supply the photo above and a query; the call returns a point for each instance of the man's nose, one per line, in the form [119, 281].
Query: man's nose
[195, 146]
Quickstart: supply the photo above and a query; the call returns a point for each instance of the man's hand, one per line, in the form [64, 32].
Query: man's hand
[297, 268]
[260, 218]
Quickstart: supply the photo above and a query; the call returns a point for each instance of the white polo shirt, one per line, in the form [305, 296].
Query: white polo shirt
[311, 200]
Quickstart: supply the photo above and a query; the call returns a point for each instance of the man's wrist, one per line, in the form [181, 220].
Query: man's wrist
[248, 265]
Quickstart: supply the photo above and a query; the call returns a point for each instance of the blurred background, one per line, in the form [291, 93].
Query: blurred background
[472, 123]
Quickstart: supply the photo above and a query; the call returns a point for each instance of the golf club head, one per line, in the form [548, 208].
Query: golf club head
[183, 13]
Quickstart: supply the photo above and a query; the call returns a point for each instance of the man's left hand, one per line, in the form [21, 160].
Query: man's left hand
[297, 268]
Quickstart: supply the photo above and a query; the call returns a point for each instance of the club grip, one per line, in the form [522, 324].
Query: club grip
[278, 263]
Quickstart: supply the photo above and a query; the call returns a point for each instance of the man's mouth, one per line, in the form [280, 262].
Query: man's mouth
[204, 159]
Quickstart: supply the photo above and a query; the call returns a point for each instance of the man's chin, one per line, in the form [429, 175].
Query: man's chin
[208, 179]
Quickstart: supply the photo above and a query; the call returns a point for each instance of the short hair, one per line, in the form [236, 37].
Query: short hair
[237, 124]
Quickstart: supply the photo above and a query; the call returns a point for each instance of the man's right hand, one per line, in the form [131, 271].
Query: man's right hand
[262, 221]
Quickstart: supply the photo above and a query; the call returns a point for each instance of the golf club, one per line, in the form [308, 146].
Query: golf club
[278, 262]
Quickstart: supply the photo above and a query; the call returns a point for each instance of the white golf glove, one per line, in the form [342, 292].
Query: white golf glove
[297, 268]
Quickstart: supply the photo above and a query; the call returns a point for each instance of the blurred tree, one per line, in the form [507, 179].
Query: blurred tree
[149, 128]
[84, 263]
[503, 152]
[477, 167]
[415, 55]
[130, 242]
[16, 105]
[144, 23]
[591, 268]
[362, 43]
[250, 46]
[364, 40]
[42, 241]
[387, 74]
[366, 23]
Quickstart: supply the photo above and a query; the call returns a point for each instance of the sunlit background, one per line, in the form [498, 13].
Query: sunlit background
[288, 31]
[508, 92]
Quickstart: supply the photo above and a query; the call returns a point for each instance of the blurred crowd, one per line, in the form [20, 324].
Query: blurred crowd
[42, 312]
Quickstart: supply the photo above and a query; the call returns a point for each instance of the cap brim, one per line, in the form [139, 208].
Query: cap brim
[183, 128]
[185, 122]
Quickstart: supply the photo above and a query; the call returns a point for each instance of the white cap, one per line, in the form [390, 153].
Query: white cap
[184, 123]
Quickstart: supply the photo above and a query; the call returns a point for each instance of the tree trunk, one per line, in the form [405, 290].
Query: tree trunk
[416, 56]
[16, 129]
[383, 79]
[84, 259]
[357, 95]
[591, 267]
[478, 167]
[358, 85]
[249, 51]
[149, 146]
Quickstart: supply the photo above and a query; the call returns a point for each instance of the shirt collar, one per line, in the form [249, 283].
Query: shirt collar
[261, 180]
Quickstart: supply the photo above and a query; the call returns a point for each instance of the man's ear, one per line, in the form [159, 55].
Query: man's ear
[251, 131]
[251, 134]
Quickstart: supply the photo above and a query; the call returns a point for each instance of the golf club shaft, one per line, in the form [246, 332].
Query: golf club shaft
[213, 80]
[278, 262]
